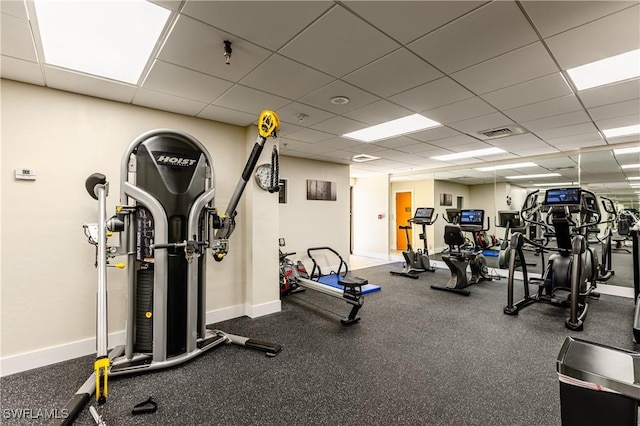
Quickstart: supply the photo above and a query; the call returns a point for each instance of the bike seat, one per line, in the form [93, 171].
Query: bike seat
[351, 282]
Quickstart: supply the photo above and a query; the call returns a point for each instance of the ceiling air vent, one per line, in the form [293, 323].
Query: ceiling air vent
[361, 158]
[500, 132]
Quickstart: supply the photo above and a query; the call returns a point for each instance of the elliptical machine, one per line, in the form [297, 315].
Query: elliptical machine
[570, 275]
[463, 253]
[416, 262]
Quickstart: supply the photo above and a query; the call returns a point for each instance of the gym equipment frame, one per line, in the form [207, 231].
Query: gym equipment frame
[166, 223]
[416, 262]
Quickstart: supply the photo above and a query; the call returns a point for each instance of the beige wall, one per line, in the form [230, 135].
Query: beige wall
[313, 223]
[48, 275]
[423, 196]
[370, 199]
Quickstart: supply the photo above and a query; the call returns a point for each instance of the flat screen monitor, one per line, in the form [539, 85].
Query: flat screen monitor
[424, 213]
[562, 197]
[453, 215]
[509, 217]
[472, 217]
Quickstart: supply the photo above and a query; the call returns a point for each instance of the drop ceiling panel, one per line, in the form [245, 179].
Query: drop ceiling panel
[396, 143]
[609, 36]
[309, 136]
[342, 143]
[19, 70]
[407, 20]
[432, 95]
[250, 100]
[183, 82]
[560, 120]
[269, 24]
[407, 70]
[321, 98]
[16, 40]
[567, 143]
[614, 110]
[620, 121]
[198, 46]
[538, 110]
[576, 129]
[152, 99]
[364, 149]
[339, 125]
[519, 143]
[339, 43]
[416, 147]
[448, 143]
[467, 41]
[283, 77]
[291, 114]
[538, 90]
[553, 17]
[611, 93]
[434, 134]
[515, 67]
[225, 115]
[85, 85]
[378, 112]
[469, 108]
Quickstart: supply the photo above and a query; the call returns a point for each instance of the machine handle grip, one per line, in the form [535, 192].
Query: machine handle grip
[93, 181]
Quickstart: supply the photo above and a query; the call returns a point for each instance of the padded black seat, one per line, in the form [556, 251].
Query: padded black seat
[350, 281]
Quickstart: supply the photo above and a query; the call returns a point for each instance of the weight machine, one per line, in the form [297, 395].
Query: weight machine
[166, 222]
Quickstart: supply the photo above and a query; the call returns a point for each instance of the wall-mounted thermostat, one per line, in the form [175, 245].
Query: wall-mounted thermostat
[26, 174]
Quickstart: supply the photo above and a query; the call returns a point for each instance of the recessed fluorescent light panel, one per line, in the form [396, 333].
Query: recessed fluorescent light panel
[468, 154]
[540, 175]
[622, 131]
[400, 126]
[555, 184]
[111, 39]
[506, 167]
[620, 151]
[630, 166]
[609, 70]
[634, 178]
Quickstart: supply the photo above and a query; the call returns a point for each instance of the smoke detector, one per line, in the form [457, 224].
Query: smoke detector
[500, 132]
[339, 100]
[361, 158]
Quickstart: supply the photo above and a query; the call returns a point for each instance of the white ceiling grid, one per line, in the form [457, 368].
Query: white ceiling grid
[469, 65]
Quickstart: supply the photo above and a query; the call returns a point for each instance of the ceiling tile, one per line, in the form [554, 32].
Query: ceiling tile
[364, 148]
[614, 110]
[225, 115]
[540, 89]
[416, 147]
[469, 108]
[14, 8]
[407, 70]
[396, 142]
[85, 85]
[564, 143]
[198, 46]
[283, 77]
[559, 120]
[434, 134]
[511, 68]
[183, 82]
[339, 43]
[249, 100]
[291, 114]
[408, 20]
[19, 70]
[165, 102]
[432, 95]
[553, 17]
[16, 40]
[620, 121]
[467, 41]
[339, 125]
[454, 141]
[475, 125]
[609, 36]
[342, 143]
[309, 136]
[519, 143]
[321, 97]
[611, 93]
[378, 112]
[561, 105]
[576, 129]
[284, 19]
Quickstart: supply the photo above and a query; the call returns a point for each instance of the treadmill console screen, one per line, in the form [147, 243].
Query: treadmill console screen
[472, 217]
[562, 197]
[425, 213]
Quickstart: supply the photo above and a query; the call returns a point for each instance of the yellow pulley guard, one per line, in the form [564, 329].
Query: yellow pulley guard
[101, 368]
[268, 123]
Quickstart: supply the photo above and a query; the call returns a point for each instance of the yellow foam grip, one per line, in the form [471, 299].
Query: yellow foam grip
[101, 368]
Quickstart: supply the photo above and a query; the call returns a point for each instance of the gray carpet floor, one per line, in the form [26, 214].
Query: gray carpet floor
[417, 357]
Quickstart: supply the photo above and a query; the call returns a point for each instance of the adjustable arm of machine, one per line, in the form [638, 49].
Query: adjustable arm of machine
[268, 124]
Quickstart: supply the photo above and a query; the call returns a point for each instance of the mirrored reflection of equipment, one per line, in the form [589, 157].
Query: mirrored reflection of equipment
[416, 262]
[166, 222]
[340, 284]
[464, 252]
[570, 274]
[510, 221]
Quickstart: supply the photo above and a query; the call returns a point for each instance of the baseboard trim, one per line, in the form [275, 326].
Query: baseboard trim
[54, 354]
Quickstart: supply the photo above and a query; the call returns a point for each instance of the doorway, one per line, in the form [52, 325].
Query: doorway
[403, 214]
